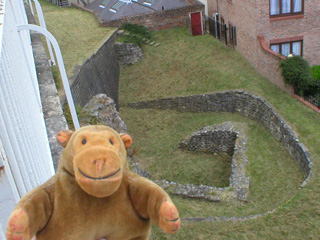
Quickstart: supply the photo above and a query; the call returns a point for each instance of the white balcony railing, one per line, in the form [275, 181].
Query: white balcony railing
[24, 145]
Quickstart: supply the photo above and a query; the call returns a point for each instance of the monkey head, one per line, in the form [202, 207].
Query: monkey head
[96, 156]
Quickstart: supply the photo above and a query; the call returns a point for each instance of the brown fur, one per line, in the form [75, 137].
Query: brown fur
[117, 204]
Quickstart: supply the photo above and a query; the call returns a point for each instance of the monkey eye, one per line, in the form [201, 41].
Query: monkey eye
[111, 141]
[84, 141]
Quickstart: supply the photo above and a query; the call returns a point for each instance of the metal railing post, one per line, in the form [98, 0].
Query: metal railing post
[42, 22]
[31, 7]
[62, 69]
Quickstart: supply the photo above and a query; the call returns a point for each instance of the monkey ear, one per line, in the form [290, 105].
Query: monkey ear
[127, 140]
[63, 137]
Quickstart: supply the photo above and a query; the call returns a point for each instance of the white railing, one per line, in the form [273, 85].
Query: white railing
[42, 22]
[24, 149]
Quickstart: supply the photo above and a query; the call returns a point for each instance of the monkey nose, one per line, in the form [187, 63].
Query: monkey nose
[99, 164]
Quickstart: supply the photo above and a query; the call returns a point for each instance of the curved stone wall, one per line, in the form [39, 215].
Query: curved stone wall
[248, 105]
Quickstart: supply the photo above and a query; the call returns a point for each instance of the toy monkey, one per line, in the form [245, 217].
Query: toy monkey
[93, 195]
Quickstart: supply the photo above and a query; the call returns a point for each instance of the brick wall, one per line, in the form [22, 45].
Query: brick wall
[99, 74]
[252, 18]
[243, 15]
[268, 65]
[161, 19]
[306, 26]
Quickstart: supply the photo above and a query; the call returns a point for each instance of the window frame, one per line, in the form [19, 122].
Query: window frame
[291, 46]
[286, 14]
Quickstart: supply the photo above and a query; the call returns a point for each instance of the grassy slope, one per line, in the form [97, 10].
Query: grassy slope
[185, 65]
[77, 32]
[157, 134]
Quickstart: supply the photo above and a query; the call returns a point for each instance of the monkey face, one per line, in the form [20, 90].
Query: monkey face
[98, 160]
[97, 165]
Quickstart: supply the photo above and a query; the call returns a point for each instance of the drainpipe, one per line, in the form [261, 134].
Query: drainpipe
[217, 6]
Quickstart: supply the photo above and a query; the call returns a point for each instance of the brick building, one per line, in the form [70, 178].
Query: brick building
[267, 28]
[154, 14]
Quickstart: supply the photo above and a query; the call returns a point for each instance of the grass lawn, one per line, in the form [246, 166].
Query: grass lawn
[77, 32]
[185, 65]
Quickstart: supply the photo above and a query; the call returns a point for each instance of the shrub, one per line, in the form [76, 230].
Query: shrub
[135, 29]
[134, 33]
[83, 117]
[315, 70]
[296, 71]
[130, 38]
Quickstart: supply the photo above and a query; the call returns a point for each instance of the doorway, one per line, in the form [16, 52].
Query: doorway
[196, 23]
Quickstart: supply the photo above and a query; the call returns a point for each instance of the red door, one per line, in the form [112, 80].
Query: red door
[196, 24]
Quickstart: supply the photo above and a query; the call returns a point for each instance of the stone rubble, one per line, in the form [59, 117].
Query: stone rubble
[101, 108]
[128, 53]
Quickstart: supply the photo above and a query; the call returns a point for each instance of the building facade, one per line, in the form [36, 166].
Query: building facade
[269, 30]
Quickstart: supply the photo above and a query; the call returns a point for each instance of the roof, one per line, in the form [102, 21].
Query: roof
[109, 10]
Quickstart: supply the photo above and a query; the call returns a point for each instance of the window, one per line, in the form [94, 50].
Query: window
[104, 3]
[148, 2]
[287, 48]
[116, 7]
[286, 7]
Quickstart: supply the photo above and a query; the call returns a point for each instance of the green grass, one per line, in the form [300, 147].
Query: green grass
[270, 168]
[77, 32]
[185, 65]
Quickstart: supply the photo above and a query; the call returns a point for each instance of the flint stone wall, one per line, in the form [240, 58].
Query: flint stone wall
[101, 109]
[248, 105]
[224, 139]
[128, 53]
[211, 140]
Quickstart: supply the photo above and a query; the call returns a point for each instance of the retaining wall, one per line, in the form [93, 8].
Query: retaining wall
[248, 105]
[99, 74]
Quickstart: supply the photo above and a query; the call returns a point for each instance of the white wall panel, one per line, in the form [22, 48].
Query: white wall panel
[23, 135]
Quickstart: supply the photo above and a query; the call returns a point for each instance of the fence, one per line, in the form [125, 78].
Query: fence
[60, 3]
[24, 146]
[220, 31]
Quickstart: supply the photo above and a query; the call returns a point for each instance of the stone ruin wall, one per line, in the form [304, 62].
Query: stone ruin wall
[228, 138]
[248, 105]
[128, 53]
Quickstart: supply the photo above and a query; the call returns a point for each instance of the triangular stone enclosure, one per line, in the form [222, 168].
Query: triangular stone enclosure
[227, 138]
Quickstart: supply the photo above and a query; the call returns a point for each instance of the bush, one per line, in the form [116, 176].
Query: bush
[83, 117]
[130, 38]
[315, 70]
[297, 72]
[135, 29]
[134, 33]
